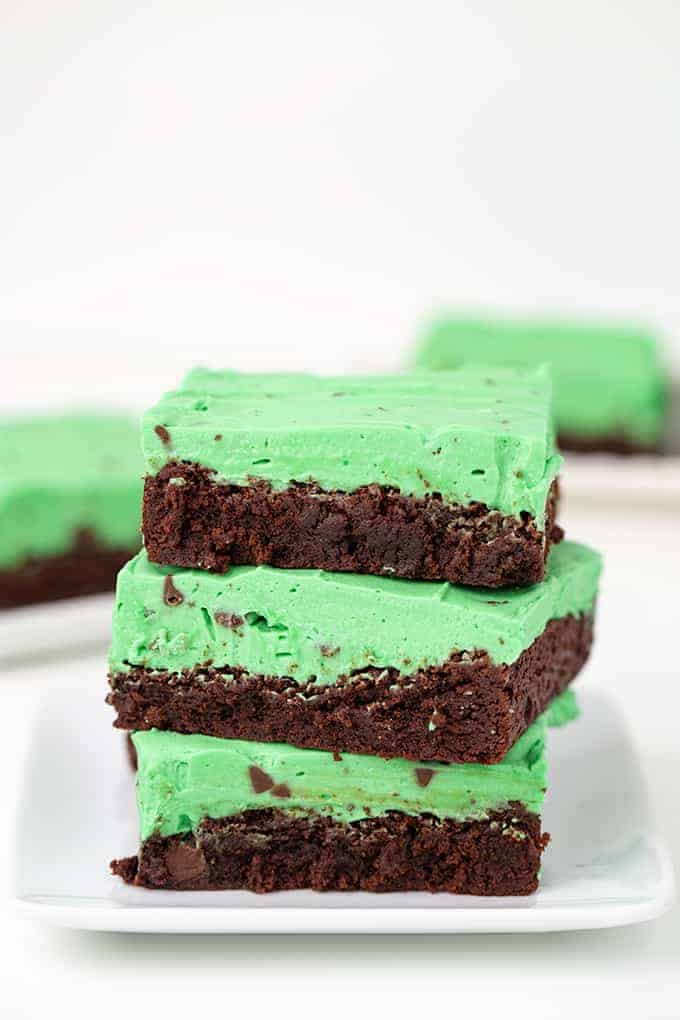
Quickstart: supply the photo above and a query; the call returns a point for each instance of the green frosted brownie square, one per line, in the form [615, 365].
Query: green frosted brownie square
[70, 494]
[232, 814]
[345, 662]
[449, 477]
[610, 385]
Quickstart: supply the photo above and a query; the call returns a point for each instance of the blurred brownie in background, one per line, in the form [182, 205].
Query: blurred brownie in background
[70, 488]
[610, 389]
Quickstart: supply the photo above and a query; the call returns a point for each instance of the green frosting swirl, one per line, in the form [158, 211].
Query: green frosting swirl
[307, 623]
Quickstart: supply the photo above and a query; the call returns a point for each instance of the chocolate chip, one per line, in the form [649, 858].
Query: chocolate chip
[337, 756]
[163, 434]
[171, 595]
[218, 437]
[260, 780]
[423, 776]
[328, 651]
[185, 862]
[281, 790]
[231, 620]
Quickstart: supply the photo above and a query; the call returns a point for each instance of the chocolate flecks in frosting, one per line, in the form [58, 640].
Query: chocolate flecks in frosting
[424, 776]
[231, 620]
[281, 790]
[328, 651]
[172, 596]
[260, 780]
[337, 756]
[218, 437]
[185, 863]
[163, 434]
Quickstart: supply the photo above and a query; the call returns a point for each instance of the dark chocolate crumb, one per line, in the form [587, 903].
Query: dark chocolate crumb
[337, 756]
[163, 434]
[185, 863]
[231, 620]
[171, 595]
[424, 776]
[218, 437]
[260, 780]
[281, 790]
[328, 651]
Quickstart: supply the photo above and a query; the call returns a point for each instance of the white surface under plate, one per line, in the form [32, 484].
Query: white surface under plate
[50, 627]
[606, 865]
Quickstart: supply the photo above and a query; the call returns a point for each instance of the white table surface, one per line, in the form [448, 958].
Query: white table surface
[635, 971]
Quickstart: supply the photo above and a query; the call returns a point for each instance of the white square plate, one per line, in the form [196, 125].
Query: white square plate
[606, 865]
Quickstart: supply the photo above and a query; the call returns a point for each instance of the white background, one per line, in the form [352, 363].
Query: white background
[296, 184]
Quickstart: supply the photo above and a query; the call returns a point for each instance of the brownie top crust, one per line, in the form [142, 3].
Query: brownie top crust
[182, 779]
[609, 380]
[65, 474]
[476, 435]
[308, 623]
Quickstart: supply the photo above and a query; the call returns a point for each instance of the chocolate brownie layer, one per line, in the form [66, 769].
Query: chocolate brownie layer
[190, 520]
[268, 850]
[467, 709]
[85, 569]
[617, 444]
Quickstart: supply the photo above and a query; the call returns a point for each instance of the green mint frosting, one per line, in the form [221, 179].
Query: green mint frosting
[307, 623]
[607, 380]
[60, 474]
[475, 435]
[182, 779]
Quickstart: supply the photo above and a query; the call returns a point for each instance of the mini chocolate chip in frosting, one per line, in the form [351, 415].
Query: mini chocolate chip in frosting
[163, 434]
[328, 651]
[337, 756]
[172, 596]
[231, 620]
[281, 790]
[424, 776]
[260, 780]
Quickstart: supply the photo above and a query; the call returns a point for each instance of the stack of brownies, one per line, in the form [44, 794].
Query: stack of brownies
[348, 632]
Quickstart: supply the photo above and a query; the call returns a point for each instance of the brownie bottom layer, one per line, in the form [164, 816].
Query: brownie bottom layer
[86, 568]
[616, 444]
[269, 850]
[202, 523]
[464, 710]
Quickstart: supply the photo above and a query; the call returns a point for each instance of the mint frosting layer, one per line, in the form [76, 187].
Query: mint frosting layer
[182, 779]
[59, 474]
[475, 435]
[307, 623]
[607, 380]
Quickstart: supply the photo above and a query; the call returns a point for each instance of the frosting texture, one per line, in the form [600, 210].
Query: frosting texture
[308, 623]
[475, 435]
[608, 380]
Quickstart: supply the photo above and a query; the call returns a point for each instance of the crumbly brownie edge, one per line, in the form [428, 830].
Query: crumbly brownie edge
[465, 710]
[86, 568]
[198, 522]
[617, 444]
[269, 850]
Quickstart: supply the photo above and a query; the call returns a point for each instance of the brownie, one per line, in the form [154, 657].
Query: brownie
[423, 477]
[375, 530]
[86, 568]
[268, 850]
